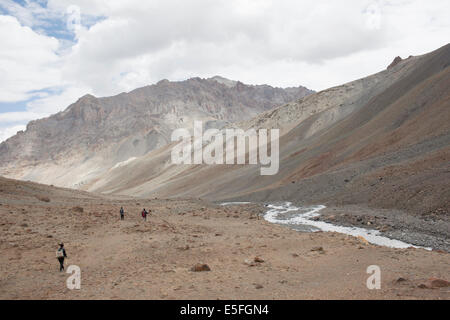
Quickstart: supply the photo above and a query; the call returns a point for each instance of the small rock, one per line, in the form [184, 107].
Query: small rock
[200, 268]
[400, 280]
[249, 263]
[259, 286]
[258, 260]
[363, 240]
[439, 283]
[318, 249]
[43, 199]
[78, 209]
[434, 283]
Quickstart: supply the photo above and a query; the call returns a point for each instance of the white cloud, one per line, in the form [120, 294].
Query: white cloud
[28, 61]
[11, 117]
[283, 43]
[141, 43]
[6, 132]
[58, 101]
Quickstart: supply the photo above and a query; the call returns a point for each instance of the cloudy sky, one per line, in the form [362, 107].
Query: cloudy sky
[52, 52]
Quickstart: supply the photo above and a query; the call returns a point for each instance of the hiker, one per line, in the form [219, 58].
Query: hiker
[122, 213]
[144, 214]
[61, 254]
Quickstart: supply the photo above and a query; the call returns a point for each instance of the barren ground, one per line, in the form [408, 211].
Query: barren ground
[133, 259]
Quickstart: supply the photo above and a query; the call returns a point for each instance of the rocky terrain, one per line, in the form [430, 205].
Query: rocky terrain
[431, 231]
[169, 255]
[382, 140]
[375, 151]
[93, 135]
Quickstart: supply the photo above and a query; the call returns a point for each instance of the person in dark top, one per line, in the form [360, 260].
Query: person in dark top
[144, 214]
[122, 213]
[61, 255]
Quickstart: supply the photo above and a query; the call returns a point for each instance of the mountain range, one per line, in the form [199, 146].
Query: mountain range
[73, 147]
[382, 141]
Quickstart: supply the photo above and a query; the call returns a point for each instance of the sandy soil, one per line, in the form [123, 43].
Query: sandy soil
[133, 259]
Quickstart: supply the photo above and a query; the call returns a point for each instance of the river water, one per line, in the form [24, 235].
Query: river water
[301, 219]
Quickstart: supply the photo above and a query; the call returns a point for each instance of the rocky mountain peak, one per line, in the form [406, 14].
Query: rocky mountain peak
[396, 61]
[132, 124]
[229, 83]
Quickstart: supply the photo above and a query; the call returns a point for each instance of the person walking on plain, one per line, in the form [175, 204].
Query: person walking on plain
[122, 213]
[61, 255]
[144, 214]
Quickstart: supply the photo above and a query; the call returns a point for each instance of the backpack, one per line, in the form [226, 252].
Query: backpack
[60, 253]
[144, 213]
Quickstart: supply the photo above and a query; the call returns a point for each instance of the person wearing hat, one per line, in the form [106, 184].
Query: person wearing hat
[61, 255]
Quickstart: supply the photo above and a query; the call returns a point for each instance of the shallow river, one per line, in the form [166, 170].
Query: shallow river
[301, 219]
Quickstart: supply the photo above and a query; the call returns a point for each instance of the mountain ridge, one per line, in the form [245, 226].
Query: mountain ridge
[335, 147]
[109, 130]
